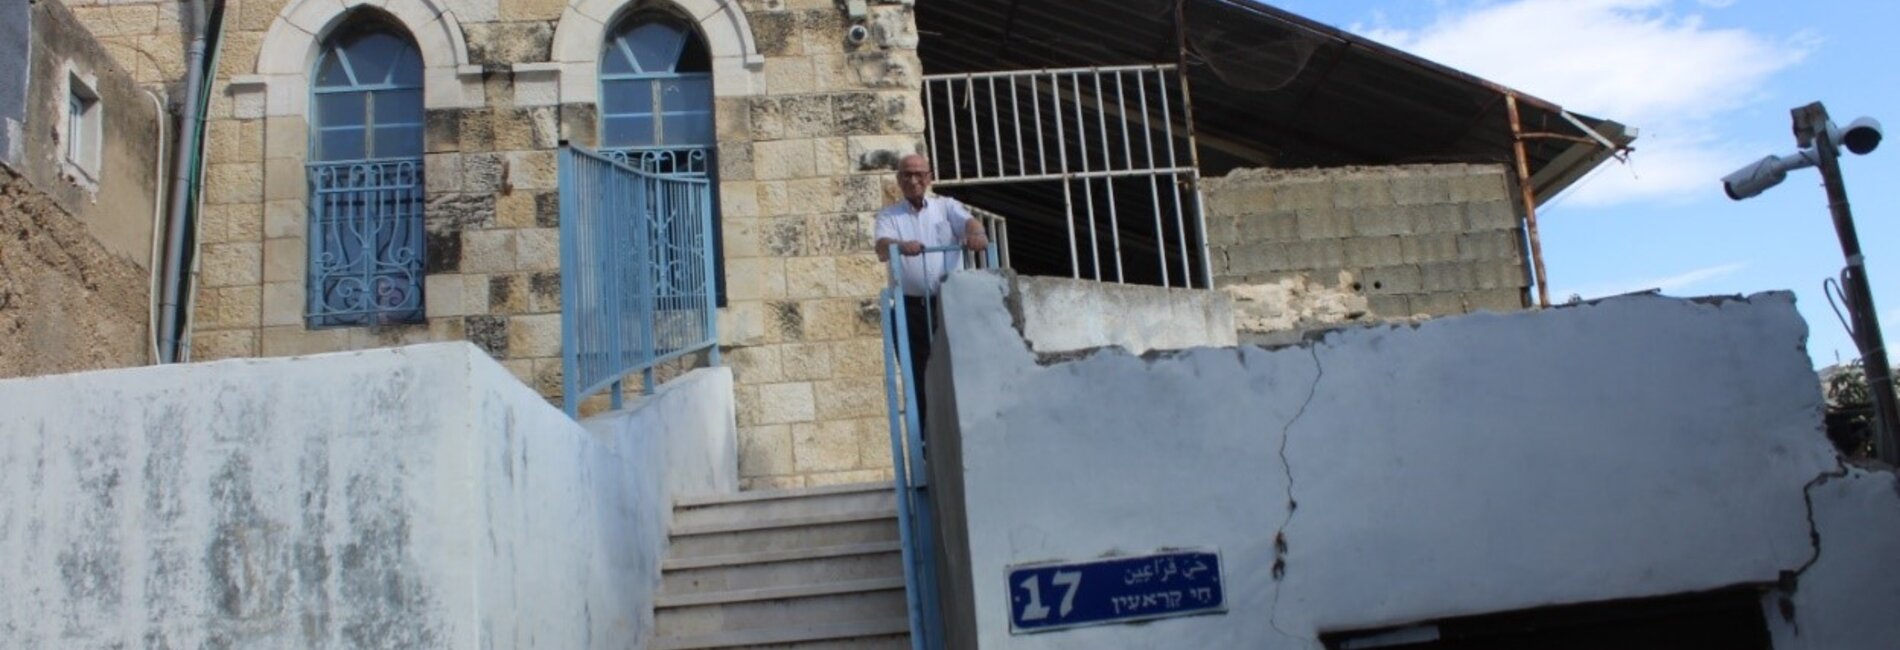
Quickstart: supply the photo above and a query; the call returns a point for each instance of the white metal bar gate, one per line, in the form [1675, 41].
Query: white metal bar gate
[1114, 138]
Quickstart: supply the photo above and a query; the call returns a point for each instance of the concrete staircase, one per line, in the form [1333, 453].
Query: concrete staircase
[810, 569]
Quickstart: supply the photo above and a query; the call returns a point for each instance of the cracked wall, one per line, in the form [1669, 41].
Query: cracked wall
[1400, 473]
[406, 498]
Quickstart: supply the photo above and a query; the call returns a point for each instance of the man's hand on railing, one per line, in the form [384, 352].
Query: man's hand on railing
[976, 242]
[910, 248]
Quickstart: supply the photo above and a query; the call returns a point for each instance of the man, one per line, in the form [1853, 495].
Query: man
[922, 221]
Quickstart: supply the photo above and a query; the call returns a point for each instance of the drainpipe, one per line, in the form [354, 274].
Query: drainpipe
[190, 128]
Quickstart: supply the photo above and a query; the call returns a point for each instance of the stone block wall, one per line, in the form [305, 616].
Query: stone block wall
[77, 243]
[67, 303]
[808, 125]
[1308, 248]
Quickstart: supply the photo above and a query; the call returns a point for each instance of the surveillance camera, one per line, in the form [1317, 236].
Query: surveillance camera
[857, 34]
[1756, 178]
[1861, 137]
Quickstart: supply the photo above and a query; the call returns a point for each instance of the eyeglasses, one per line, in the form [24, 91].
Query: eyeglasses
[914, 175]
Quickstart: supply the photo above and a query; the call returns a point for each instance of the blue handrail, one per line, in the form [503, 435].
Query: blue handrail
[916, 520]
[636, 273]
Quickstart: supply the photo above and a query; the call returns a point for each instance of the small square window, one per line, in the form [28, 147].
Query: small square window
[84, 128]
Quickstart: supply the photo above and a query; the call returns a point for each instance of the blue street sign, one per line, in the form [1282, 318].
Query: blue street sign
[1117, 590]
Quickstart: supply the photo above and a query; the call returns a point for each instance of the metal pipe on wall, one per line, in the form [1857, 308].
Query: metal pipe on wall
[189, 131]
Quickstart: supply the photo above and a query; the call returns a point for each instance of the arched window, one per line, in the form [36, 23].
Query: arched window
[366, 227]
[656, 108]
[656, 103]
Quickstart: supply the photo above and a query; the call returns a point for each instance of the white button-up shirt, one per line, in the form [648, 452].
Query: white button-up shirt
[941, 222]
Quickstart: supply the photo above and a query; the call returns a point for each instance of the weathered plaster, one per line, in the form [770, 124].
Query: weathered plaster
[113, 201]
[1455, 467]
[412, 497]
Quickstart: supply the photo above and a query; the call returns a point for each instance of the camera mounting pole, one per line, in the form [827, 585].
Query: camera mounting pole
[1812, 128]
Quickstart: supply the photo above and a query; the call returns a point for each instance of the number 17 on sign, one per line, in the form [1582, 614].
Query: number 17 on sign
[1054, 596]
[1034, 610]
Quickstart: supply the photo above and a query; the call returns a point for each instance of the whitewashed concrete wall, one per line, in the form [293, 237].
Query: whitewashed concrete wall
[413, 497]
[1636, 447]
[1845, 599]
[1065, 315]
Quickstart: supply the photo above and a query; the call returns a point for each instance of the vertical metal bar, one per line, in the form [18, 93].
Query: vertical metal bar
[708, 302]
[976, 131]
[930, 121]
[1180, 224]
[899, 468]
[1035, 100]
[614, 293]
[996, 130]
[1108, 164]
[1062, 152]
[1002, 244]
[1154, 190]
[1194, 149]
[956, 140]
[570, 318]
[1088, 188]
[1200, 220]
[1016, 117]
[1530, 199]
[648, 292]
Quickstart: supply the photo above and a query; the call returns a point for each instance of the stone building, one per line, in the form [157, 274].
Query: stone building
[454, 113]
[80, 181]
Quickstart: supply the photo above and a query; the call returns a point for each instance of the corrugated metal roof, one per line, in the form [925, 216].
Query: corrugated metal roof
[1271, 88]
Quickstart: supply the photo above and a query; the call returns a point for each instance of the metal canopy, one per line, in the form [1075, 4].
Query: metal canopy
[1273, 89]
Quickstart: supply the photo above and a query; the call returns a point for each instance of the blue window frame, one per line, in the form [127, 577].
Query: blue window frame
[366, 199]
[656, 107]
[656, 91]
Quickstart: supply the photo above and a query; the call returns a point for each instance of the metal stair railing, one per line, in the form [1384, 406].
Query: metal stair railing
[637, 273]
[916, 517]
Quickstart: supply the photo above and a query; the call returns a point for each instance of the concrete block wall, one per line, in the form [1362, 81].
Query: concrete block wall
[1406, 240]
[807, 125]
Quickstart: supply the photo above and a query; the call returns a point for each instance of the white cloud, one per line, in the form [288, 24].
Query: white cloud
[1640, 62]
[1672, 284]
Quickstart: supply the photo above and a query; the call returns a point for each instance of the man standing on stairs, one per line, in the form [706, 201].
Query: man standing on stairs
[922, 221]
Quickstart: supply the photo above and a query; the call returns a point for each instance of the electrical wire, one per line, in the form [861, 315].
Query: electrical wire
[155, 263]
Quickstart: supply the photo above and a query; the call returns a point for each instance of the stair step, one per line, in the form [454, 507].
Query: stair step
[754, 496]
[778, 593]
[881, 634]
[740, 559]
[885, 562]
[838, 532]
[758, 609]
[803, 521]
[808, 504]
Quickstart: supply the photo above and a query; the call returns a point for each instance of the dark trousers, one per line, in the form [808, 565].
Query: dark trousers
[921, 315]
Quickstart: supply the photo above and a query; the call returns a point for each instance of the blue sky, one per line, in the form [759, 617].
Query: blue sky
[1709, 83]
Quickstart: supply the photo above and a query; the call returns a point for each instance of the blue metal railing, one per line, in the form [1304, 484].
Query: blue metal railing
[636, 273]
[366, 247]
[915, 516]
[670, 161]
